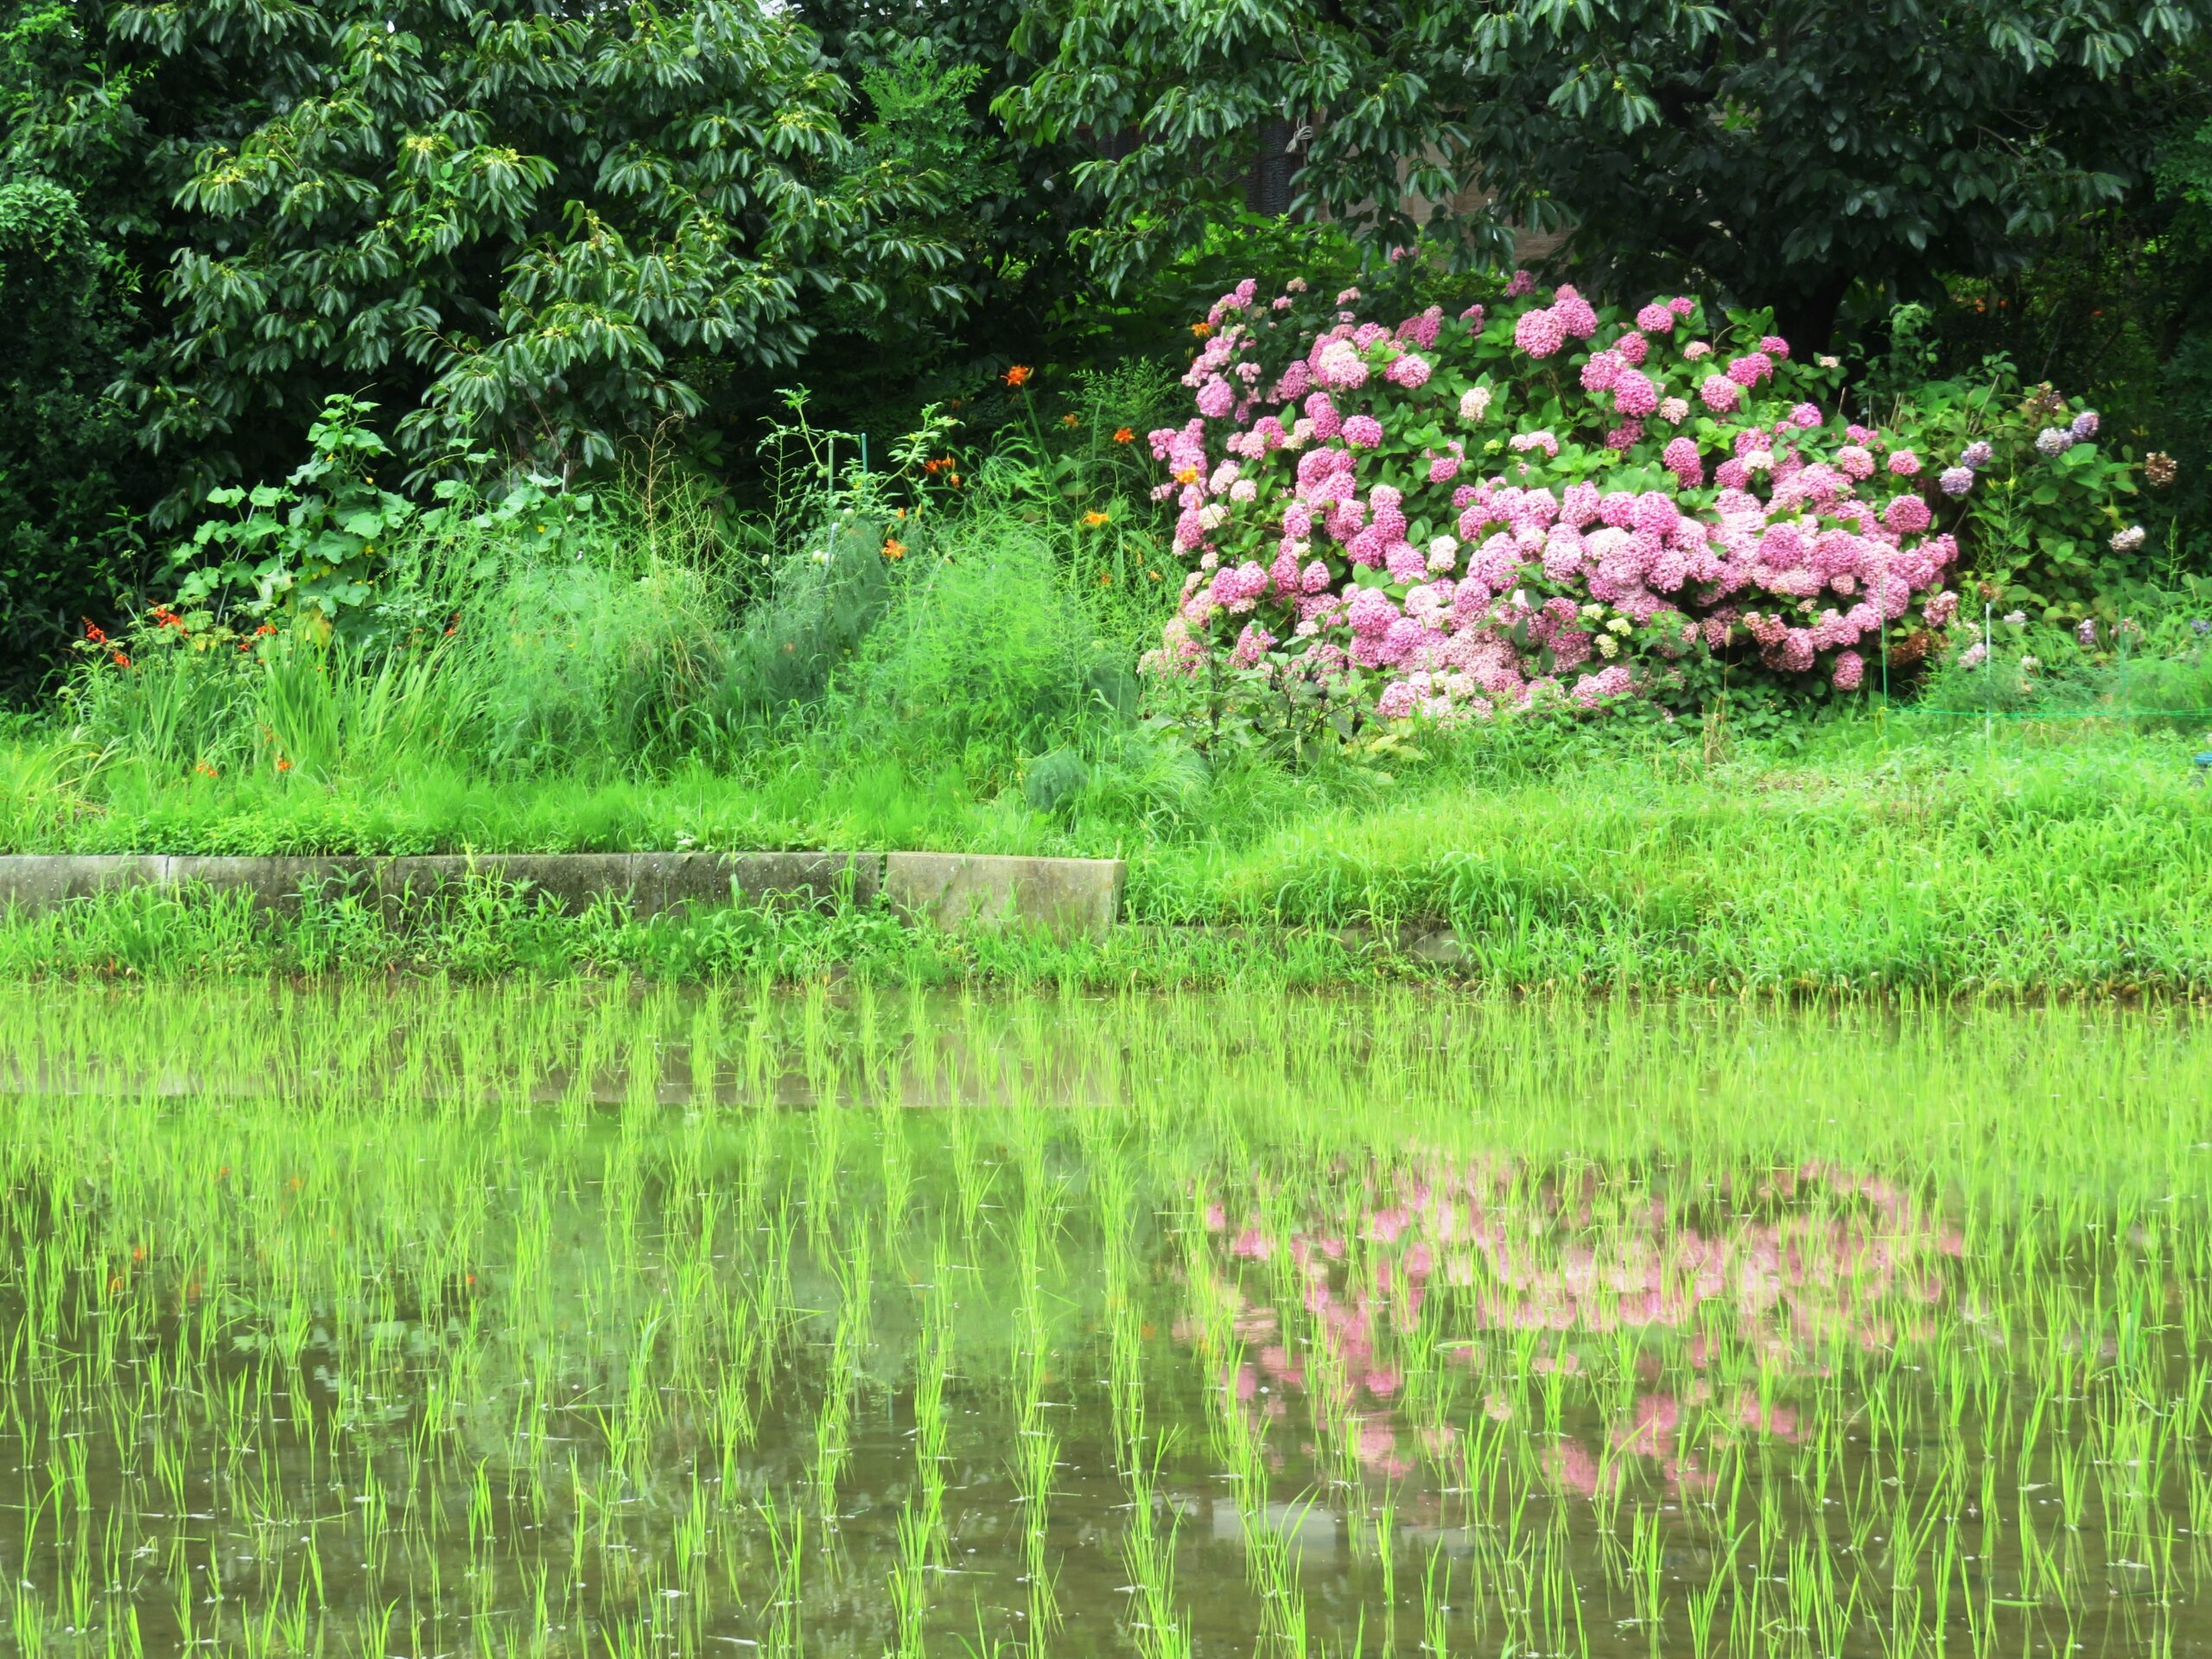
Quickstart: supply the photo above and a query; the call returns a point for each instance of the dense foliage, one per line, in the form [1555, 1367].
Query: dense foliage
[69, 472]
[517, 253]
[525, 229]
[1775, 155]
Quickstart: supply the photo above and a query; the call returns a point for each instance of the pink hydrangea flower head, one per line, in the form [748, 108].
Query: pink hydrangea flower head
[1443, 469]
[1750, 368]
[1656, 513]
[1682, 460]
[1626, 435]
[1340, 365]
[1856, 461]
[1409, 370]
[1215, 398]
[1775, 347]
[1540, 332]
[1522, 283]
[1656, 318]
[1681, 305]
[1421, 330]
[1698, 350]
[1370, 611]
[1598, 373]
[1807, 416]
[1674, 410]
[1720, 394]
[1904, 463]
[1907, 515]
[1850, 670]
[1633, 347]
[1956, 481]
[1576, 315]
[1634, 395]
[1363, 432]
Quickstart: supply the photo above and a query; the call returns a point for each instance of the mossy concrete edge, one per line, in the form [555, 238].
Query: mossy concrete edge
[1064, 896]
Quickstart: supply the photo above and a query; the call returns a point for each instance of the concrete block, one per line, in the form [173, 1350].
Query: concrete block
[30, 882]
[816, 880]
[1067, 897]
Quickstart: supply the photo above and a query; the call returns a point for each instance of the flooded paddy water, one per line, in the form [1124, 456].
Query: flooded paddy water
[574, 1321]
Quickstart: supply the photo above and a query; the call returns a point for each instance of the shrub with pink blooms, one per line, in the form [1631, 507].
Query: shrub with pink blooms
[1530, 503]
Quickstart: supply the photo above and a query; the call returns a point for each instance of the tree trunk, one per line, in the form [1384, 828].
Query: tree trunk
[1806, 317]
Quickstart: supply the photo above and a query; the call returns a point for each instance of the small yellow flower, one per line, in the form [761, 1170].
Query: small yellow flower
[1094, 519]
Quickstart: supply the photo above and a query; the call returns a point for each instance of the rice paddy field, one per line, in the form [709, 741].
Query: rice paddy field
[517, 1321]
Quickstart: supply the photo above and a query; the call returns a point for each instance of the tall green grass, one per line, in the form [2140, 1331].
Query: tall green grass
[653, 680]
[1873, 860]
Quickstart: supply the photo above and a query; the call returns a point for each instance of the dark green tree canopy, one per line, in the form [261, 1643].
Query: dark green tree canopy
[534, 227]
[1773, 152]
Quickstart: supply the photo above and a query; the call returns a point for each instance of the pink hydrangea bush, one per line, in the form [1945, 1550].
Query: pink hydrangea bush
[1534, 503]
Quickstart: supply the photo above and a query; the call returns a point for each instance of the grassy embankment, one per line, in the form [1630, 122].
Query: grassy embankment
[1871, 862]
[977, 695]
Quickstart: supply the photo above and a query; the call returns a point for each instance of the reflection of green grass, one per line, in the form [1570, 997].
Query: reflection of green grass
[880, 1322]
[1924, 856]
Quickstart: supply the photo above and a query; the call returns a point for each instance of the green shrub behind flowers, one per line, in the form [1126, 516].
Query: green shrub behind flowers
[1539, 504]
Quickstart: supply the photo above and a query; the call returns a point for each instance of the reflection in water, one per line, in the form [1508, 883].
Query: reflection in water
[1807, 1259]
[564, 1323]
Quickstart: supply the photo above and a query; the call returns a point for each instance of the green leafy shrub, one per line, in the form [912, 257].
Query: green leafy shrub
[536, 231]
[72, 482]
[2046, 522]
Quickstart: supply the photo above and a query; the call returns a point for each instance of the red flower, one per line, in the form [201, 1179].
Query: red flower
[95, 635]
[122, 661]
[1018, 375]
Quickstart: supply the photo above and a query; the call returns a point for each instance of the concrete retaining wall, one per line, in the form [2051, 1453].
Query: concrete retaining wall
[1065, 896]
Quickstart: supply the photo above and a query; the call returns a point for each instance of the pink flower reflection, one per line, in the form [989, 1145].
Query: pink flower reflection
[1776, 1271]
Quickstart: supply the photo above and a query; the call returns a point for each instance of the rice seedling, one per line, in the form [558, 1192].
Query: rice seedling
[585, 1320]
